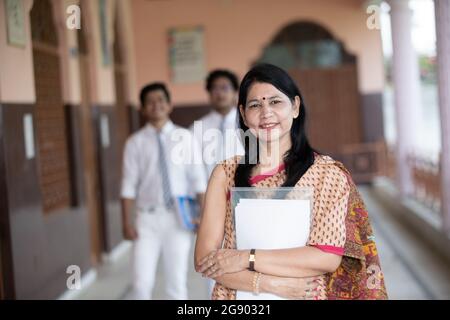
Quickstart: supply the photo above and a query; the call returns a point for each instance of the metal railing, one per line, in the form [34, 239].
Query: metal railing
[427, 180]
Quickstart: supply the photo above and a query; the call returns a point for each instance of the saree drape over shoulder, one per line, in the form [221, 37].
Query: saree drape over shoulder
[340, 225]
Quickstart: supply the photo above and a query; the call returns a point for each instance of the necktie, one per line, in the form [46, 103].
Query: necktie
[223, 140]
[166, 188]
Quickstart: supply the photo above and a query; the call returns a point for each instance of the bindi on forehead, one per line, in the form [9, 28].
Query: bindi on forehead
[264, 98]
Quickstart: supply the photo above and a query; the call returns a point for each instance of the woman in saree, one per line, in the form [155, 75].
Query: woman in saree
[339, 260]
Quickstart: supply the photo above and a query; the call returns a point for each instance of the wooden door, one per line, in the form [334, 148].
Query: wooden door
[333, 106]
[90, 165]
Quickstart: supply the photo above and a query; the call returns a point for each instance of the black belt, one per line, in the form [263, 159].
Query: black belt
[152, 209]
[149, 210]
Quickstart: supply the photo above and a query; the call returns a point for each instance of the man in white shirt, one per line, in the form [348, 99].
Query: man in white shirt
[158, 167]
[217, 131]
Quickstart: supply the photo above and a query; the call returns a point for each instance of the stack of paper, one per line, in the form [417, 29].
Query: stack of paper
[270, 224]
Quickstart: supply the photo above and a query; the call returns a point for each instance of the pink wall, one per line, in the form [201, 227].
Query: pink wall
[236, 32]
[16, 63]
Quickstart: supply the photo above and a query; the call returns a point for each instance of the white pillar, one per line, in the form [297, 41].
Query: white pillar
[406, 90]
[442, 13]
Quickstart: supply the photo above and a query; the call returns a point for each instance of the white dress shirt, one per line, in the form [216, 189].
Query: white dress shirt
[212, 122]
[141, 177]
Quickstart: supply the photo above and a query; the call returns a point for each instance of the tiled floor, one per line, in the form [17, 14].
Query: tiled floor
[412, 270]
[113, 281]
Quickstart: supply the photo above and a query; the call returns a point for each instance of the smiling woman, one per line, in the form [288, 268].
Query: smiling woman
[334, 263]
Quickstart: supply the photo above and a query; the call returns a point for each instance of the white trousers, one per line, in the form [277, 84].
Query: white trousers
[160, 233]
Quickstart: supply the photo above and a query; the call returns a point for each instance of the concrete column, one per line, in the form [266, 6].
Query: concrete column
[442, 13]
[406, 90]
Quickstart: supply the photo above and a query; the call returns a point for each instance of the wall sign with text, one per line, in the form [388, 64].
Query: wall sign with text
[15, 22]
[187, 55]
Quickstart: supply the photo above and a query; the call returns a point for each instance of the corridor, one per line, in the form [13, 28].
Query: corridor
[412, 270]
[94, 92]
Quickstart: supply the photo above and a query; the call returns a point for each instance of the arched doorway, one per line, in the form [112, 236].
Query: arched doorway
[327, 75]
[51, 128]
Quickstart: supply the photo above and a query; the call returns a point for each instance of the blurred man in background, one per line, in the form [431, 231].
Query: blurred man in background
[152, 182]
[222, 87]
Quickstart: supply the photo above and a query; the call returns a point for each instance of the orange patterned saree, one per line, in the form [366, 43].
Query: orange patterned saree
[359, 276]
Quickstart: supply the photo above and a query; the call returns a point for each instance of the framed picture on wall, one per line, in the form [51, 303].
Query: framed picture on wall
[15, 23]
[187, 54]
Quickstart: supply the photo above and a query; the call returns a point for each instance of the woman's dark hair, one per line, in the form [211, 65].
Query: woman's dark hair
[219, 73]
[300, 156]
[153, 87]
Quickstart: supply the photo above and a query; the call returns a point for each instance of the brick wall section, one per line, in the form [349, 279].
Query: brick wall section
[51, 131]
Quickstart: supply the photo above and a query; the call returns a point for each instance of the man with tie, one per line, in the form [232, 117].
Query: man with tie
[153, 177]
[222, 86]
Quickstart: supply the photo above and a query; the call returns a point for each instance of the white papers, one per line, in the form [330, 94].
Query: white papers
[270, 224]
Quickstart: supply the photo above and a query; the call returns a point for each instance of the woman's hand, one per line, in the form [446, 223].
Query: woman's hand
[291, 288]
[223, 261]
